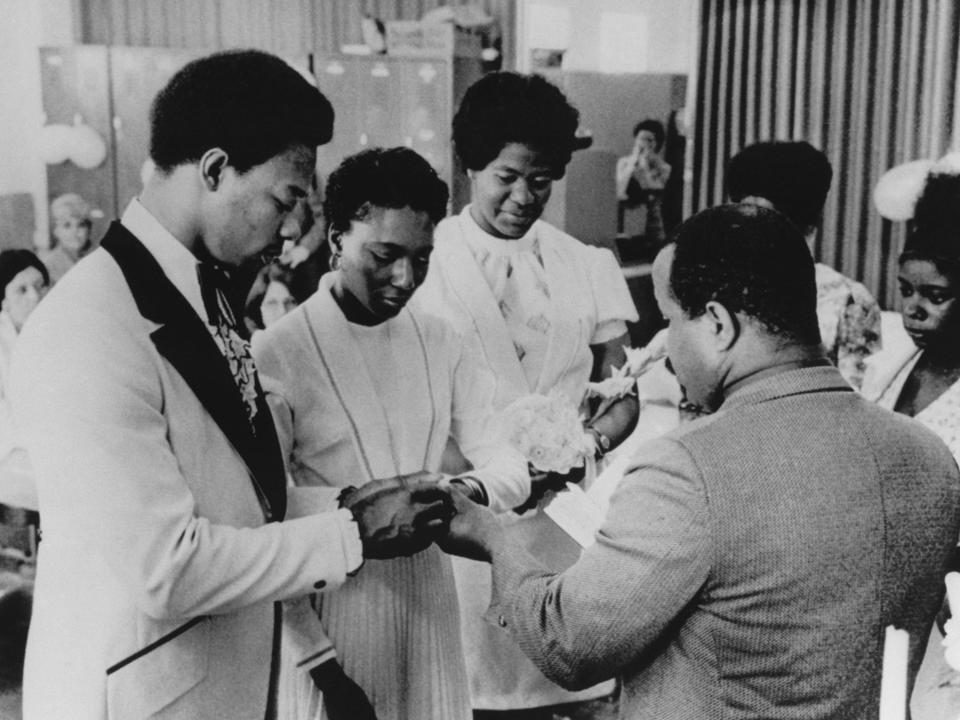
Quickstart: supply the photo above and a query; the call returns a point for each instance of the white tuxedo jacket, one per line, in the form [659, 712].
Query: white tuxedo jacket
[158, 571]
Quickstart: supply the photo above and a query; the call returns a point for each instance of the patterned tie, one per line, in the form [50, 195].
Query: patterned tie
[225, 332]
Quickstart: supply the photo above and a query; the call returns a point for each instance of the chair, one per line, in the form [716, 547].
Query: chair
[19, 535]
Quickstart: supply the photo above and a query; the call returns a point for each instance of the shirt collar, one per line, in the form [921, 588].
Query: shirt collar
[479, 239]
[176, 261]
[815, 377]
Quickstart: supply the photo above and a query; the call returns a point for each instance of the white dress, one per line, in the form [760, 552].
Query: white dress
[353, 403]
[936, 694]
[589, 305]
[17, 487]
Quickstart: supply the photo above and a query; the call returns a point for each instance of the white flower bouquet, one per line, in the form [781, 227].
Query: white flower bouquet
[623, 380]
[548, 431]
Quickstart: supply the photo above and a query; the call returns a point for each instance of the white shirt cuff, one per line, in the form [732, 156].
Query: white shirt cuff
[352, 546]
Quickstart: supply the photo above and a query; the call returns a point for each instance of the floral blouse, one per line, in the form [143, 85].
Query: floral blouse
[849, 322]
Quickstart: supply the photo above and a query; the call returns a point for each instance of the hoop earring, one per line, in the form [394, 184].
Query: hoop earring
[335, 262]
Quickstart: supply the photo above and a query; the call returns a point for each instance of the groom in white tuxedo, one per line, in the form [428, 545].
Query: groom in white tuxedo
[169, 534]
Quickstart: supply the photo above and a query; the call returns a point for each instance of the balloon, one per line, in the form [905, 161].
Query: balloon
[898, 189]
[87, 150]
[147, 170]
[54, 142]
[949, 164]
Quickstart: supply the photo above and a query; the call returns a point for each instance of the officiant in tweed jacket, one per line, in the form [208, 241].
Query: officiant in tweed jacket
[750, 560]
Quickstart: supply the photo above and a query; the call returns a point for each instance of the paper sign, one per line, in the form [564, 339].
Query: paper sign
[893, 681]
[575, 514]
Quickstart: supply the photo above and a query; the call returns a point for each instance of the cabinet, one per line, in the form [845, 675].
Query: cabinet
[377, 100]
[110, 89]
[136, 76]
[75, 86]
[389, 101]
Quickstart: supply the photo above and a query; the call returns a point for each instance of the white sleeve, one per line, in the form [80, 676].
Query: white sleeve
[501, 468]
[614, 305]
[105, 468]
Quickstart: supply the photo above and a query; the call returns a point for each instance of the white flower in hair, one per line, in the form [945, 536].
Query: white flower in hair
[949, 164]
[899, 188]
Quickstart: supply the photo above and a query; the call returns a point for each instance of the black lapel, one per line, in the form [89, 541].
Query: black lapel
[183, 339]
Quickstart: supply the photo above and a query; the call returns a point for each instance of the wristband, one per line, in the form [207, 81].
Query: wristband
[475, 489]
[602, 442]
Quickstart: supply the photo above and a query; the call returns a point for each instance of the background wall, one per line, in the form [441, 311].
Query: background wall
[286, 27]
[669, 44]
[872, 83]
[25, 27]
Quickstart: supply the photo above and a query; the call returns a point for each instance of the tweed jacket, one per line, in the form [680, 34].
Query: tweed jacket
[158, 571]
[750, 561]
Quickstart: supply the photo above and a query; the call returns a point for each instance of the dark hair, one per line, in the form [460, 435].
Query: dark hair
[272, 272]
[793, 175]
[251, 104]
[14, 262]
[934, 231]
[387, 178]
[652, 126]
[507, 107]
[751, 260]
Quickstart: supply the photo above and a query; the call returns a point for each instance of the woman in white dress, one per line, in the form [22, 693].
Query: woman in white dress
[23, 283]
[364, 387]
[918, 374]
[549, 313]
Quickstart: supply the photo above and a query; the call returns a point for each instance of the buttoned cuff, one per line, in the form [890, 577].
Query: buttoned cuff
[509, 566]
[352, 545]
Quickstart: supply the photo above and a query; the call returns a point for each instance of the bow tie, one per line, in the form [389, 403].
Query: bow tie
[215, 289]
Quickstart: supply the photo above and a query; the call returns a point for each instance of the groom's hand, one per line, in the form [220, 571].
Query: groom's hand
[401, 515]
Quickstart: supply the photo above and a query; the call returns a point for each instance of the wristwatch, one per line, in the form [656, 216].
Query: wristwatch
[602, 442]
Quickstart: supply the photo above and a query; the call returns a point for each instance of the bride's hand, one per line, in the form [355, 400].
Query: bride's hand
[342, 697]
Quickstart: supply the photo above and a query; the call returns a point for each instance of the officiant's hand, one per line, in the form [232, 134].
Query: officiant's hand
[473, 531]
[399, 516]
[343, 699]
[543, 482]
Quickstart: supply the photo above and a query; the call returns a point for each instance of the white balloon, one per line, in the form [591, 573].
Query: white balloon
[54, 142]
[147, 170]
[88, 150]
[899, 188]
[949, 164]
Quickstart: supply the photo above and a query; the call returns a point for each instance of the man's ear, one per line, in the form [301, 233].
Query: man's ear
[333, 238]
[724, 325]
[212, 164]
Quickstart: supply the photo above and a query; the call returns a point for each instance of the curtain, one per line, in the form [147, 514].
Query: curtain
[872, 83]
[286, 27]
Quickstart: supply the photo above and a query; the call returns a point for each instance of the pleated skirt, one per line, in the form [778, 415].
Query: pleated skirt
[396, 629]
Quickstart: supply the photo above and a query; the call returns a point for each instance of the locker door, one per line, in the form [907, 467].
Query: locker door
[378, 86]
[336, 78]
[75, 87]
[424, 110]
[137, 75]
